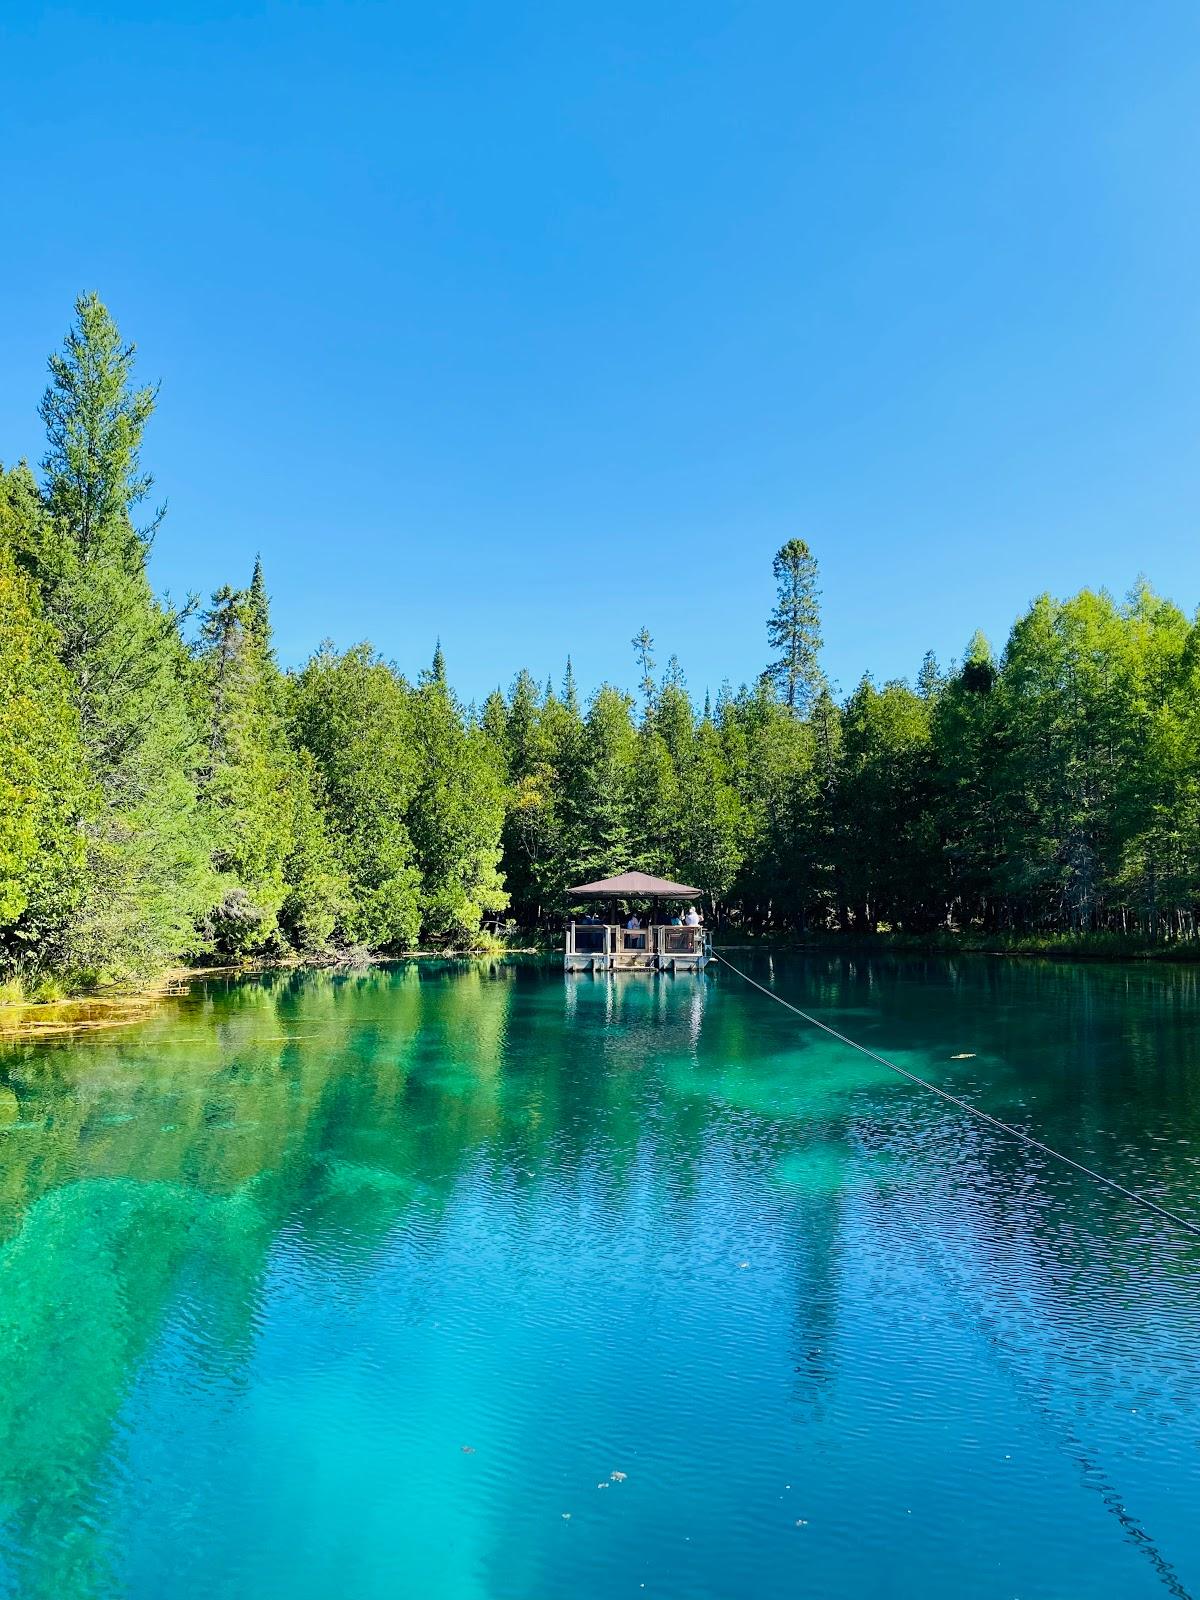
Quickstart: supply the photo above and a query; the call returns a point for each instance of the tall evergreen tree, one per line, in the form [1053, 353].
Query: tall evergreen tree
[455, 816]
[242, 778]
[599, 838]
[771, 750]
[493, 722]
[710, 817]
[258, 605]
[971, 741]
[319, 901]
[929, 678]
[643, 650]
[654, 805]
[890, 875]
[45, 797]
[794, 627]
[437, 668]
[570, 694]
[354, 716]
[146, 880]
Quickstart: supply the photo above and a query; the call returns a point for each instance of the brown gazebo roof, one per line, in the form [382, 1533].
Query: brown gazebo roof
[627, 885]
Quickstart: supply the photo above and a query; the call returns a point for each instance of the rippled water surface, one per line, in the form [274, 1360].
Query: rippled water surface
[473, 1281]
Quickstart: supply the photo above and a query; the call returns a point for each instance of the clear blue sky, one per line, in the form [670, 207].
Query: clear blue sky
[526, 325]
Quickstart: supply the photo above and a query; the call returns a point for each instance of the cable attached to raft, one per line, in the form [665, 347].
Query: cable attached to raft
[974, 1111]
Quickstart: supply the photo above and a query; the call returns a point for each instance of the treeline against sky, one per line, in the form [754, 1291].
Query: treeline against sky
[168, 792]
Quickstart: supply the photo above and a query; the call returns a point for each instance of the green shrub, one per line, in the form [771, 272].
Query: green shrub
[12, 992]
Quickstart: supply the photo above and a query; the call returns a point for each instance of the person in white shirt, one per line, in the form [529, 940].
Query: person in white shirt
[633, 921]
[692, 920]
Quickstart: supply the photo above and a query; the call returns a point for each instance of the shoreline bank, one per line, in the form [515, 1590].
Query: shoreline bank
[1083, 947]
[121, 1007]
[26, 1019]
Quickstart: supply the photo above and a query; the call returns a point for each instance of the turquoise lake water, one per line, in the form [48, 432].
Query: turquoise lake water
[470, 1281]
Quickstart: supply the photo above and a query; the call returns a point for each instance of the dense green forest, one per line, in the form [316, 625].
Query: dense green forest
[168, 792]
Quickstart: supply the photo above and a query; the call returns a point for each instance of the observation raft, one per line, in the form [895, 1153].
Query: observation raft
[657, 945]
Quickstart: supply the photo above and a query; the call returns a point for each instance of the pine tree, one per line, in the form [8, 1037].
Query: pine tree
[354, 716]
[570, 694]
[524, 726]
[493, 721]
[643, 650]
[258, 606]
[246, 778]
[44, 791]
[436, 673]
[673, 677]
[794, 627]
[518, 734]
[674, 716]
[23, 517]
[146, 880]
[891, 875]
[455, 816]
[319, 900]
[654, 806]
[971, 738]
[929, 679]
[94, 424]
[597, 801]
[711, 821]
[772, 753]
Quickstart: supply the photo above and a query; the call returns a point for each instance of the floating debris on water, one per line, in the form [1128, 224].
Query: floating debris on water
[965, 1055]
[618, 1477]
